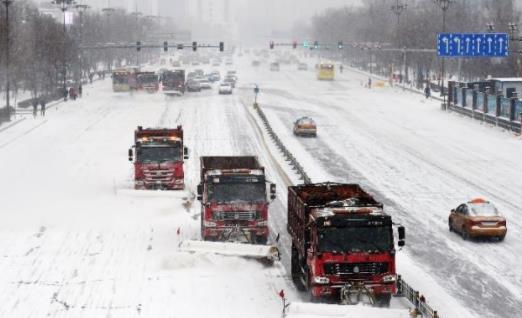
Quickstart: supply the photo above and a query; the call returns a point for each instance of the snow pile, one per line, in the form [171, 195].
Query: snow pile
[307, 310]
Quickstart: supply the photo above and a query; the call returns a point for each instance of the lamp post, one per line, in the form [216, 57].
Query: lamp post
[137, 14]
[108, 11]
[7, 3]
[444, 6]
[398, 9]
[81, 10]
[64, 6]
[513, 28]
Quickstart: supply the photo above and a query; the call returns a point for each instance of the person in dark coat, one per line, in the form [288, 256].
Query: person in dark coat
[35, 107]
[80, 90]
[42, 105]
[72, 93]
[369, 82]
[91, 75]
[427, 91]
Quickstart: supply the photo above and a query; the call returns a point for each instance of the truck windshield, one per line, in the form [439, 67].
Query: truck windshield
[226, 189]
[120, 78]
[159, 154]
[148, 79]
[355, 239]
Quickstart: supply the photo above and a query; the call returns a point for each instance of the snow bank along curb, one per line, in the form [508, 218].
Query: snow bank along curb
[403, 288]
[289, 156]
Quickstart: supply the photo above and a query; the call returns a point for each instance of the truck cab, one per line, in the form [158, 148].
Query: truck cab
[158, 160]
[342, 244]
[234, 200]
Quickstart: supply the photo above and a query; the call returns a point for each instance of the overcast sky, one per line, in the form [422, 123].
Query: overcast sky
[287, 11]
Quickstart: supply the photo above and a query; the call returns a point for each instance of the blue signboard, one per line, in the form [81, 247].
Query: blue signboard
[473, 44]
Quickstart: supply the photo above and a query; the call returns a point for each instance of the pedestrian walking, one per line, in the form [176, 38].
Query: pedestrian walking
[42, 107]
[369, 82]
[35, 107]
[80, 90]
[65, 94]
[91, 75]
[427, 91]
[72, 93]
[341, 68]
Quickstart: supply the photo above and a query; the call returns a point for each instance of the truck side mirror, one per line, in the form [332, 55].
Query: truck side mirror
[131, 155]
[272, 191]
[402, 236]
[200, 192]
[185, 153]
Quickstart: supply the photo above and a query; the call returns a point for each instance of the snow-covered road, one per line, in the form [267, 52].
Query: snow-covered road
[420, 162]
[75, 244]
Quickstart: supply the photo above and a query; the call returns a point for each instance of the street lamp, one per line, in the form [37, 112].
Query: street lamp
[64, 6]
[108, 11]
[7, 59]
[81, 10]
[444, 6]
[398, 9]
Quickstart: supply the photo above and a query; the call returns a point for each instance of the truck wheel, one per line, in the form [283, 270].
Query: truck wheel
[501, 238]
[296, 270]
[465, 234]
[261, 240]
[450, 226]
[383, 300]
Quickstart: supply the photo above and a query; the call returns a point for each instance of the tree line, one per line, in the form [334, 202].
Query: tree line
[374, 23]
[39, 46]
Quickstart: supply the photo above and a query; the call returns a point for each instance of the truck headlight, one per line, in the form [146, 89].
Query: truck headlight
[321, 280]
[209, 224]
[389, 278]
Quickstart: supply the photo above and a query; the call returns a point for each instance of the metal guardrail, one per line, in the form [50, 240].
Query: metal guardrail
[416, 298]
[497, 121]
[296, 166]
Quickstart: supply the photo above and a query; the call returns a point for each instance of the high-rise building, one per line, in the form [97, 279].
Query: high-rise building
[177, 9]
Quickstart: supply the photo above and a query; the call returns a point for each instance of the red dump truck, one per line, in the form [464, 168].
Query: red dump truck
[342, 244]
[159, 158]
[234, 203]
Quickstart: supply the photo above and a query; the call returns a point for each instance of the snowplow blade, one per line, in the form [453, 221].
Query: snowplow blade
[269, 253]
[152, 193]
[309, 310]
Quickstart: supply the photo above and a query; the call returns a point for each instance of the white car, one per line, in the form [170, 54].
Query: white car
[204, 83]
[225, 88]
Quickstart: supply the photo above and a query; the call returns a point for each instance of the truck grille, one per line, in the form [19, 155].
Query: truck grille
[158, 175]
[351, 270]
[237, 215]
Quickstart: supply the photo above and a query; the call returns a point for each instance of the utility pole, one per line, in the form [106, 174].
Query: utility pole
[7, 3]
[513, 28]
[444, 6]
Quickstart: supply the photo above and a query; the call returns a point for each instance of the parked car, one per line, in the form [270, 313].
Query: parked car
[274, 67]
[193, 86]
[305, 126]
[225, 88]
[477, 218]
[302, 67]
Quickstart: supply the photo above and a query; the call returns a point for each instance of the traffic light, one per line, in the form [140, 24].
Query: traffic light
[165, 46]
[179, 46]
[340, 45]
[272, 44]
[194, 46]
[294, 45]
[221, 46]
[138, 46]
[316, 45]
